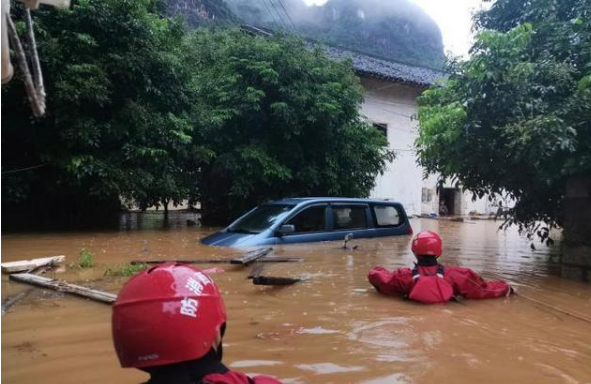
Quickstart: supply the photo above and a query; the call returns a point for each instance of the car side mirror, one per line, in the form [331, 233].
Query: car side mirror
[285, 229]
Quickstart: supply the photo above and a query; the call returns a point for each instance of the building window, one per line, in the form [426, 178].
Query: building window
[426, 195]
[382, 128]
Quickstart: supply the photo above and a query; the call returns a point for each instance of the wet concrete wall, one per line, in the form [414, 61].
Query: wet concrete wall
[576, 251]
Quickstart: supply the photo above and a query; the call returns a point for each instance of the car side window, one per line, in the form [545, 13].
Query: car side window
[387, 215]
[312, 219]
[349, 217]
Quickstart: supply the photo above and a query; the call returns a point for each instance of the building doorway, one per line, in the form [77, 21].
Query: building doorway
[450, 202]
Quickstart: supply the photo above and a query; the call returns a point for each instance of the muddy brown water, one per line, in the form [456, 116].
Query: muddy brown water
[332, 328]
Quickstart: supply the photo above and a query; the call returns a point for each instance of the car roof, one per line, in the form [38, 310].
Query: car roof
[301, 200]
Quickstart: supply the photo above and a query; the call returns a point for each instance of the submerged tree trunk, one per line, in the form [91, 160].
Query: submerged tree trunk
[165, 205]
[576, 248]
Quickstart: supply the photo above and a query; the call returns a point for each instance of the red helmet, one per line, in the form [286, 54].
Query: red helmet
[166, 314]
[426, 243]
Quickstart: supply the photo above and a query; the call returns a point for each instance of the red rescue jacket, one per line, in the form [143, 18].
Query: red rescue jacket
[430, 288]
[462, 281]
[238, 378]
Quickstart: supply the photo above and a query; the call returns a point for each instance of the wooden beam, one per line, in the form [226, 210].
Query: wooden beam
[63, 286]
[266, 259]
[27, 265]
[251, 256]
[272, 280]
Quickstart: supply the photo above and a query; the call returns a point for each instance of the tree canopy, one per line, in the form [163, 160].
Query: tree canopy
[515, 118]
[281, 120]
[144, 110]
[117, 122]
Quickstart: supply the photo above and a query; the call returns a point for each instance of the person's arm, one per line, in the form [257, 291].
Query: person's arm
[469, 284]
[394, 283]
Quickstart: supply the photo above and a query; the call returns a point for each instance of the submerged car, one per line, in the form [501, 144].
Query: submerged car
[303, 220]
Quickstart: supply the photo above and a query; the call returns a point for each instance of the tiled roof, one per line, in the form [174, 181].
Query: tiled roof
[366, 65]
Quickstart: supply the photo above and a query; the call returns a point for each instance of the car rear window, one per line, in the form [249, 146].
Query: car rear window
[349, 217]
[387, 215]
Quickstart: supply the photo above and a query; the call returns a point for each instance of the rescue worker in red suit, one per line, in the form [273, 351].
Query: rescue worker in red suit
[432, 283]
[169, 322]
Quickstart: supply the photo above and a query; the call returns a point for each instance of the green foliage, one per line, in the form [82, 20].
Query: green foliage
[515, 118]
[202, 12]
[139, 108]
[117, 122]
[281, 120]
[125, 270]
[86, 258]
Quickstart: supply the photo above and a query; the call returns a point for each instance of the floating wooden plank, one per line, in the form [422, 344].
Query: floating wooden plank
[266, 259]
[272, 280]
[63, 286]
[27, 265]
[280, 259]
[12, 300]
[256, 270]
[251, 256]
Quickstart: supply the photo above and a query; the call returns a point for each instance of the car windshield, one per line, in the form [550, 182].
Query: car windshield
[261, 218]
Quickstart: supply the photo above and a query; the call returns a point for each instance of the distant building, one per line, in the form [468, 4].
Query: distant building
[390, 105]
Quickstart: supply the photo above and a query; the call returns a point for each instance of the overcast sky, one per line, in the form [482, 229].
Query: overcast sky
[453, 18]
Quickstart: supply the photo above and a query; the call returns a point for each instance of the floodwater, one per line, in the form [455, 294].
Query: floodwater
[332, 328]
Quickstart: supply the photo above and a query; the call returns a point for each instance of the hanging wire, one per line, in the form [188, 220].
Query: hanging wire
[281, 18]
[22, 169]
[287, 14]
[269, 11]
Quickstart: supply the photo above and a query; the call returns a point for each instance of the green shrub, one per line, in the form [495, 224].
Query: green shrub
[86, 258]
[125, 270]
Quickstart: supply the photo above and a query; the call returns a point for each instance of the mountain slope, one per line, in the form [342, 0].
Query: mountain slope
[199, 12]
[392, 29]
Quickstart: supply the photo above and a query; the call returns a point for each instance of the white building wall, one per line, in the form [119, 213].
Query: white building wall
[395, 105]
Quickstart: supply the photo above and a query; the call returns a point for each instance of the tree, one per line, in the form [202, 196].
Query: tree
[140, 108]
[281, 120]
[117, 122]
[515, 117]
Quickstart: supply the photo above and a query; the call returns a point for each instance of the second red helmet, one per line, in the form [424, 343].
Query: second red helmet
[427, 243]
[166, 314]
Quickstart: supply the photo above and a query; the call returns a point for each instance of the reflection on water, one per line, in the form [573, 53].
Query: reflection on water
[153, 220]
[332, 328]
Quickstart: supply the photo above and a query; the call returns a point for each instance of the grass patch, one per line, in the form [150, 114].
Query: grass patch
[86, 258]
[125, 270]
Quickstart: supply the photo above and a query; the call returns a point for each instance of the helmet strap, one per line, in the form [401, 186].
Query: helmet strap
[219, 351]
